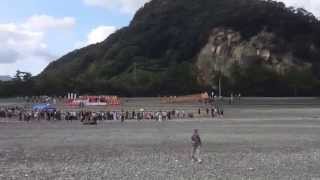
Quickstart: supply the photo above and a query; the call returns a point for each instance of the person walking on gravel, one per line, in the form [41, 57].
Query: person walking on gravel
[196, 145]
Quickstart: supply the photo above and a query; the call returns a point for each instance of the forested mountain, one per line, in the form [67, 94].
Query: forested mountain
[183, 46]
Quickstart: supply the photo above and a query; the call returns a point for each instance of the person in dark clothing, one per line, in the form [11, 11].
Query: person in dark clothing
[122, 116]
[196, 145]
[20, 116]
[212, 113]
[127, 115]
[133, 114]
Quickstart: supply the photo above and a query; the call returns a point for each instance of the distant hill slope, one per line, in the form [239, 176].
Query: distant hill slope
[5, 78]
[184, 46]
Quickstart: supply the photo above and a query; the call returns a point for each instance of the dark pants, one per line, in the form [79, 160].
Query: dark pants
[195, 155]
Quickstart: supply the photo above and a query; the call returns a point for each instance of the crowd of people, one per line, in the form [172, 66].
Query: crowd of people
[23, 114]
[10, 111]
[92, 117]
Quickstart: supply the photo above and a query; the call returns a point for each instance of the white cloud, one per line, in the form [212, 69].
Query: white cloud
[125, 6]
[44, 22]
[17, 43]
[8, 55]
[31, 64]
[310, 5]
[22, 45]
[97, 35]
[100, 33]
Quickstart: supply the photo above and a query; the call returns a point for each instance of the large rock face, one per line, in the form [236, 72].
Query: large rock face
[178, 46]
[226, 47]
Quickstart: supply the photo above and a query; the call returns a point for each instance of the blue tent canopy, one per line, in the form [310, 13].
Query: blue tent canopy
[43, 107]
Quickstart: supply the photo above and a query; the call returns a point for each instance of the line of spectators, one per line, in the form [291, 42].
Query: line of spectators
[10, 111]
[92, 117]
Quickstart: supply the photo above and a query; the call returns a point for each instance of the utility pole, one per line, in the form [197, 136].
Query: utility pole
[135, 71]
[220, 84]
[135, 77]
[219, 67]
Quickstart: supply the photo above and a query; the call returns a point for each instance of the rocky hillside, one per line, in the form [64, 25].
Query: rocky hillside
[184, 46]
[226, 48]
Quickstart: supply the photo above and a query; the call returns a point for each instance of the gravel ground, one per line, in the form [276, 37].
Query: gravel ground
[272, 142]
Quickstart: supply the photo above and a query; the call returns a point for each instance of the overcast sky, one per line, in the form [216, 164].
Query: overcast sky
[35, 32]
